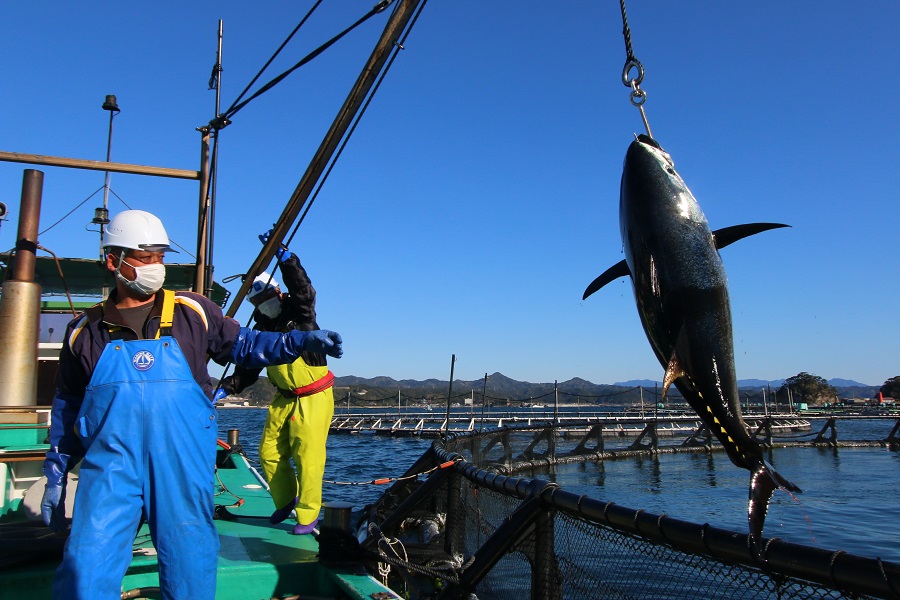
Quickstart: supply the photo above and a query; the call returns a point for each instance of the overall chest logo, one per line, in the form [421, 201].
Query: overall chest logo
[142, 360]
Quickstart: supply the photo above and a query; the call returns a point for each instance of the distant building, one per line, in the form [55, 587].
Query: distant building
[856, 402]
[882, 400]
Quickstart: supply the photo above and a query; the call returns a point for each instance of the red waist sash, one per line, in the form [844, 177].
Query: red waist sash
[315, 387]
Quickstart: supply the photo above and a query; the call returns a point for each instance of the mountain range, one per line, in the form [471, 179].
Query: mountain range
[500, 389]
[501, 380]
[756, 383]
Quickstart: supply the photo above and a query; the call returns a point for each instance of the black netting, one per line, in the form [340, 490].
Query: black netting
[472, 528]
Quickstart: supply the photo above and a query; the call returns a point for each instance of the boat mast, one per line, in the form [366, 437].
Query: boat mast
[203, 278]
[393, 30]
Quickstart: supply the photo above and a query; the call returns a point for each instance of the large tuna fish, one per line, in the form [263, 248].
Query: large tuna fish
[682, 299]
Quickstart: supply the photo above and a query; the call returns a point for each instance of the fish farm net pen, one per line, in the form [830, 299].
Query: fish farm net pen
[513, 536]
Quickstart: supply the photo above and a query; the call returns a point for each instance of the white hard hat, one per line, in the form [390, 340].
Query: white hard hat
[136, 230]
[263, 282]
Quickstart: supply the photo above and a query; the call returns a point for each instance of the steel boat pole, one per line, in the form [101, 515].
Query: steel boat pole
[203, 218]
[20, 304]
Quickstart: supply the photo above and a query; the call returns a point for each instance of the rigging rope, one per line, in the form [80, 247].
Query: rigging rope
[638, 96]
[385, 480]
[223, 119]
[362, 111]
[80, 204]
[384, 544]
[277, 52]
[68, 214]
[398, 46]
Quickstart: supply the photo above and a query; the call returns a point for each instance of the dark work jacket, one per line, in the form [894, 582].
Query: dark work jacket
[298, 311]
[198, 324]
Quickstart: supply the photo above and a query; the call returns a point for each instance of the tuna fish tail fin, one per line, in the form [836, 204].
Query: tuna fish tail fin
[764, 480]
[620, 269]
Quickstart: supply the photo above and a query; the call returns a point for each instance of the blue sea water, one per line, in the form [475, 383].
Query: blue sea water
[849, 500]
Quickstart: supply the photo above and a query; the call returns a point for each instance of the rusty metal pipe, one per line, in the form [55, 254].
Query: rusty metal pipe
[29, 218]
[20, 304]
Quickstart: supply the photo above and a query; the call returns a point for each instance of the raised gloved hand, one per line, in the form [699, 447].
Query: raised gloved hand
[323, 341]
[53, 503]
[282, 253]
[220, 394]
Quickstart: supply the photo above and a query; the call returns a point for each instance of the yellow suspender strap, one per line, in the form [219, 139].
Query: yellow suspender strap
[168, 313]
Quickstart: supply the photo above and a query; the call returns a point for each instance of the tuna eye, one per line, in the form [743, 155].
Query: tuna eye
[670, 170]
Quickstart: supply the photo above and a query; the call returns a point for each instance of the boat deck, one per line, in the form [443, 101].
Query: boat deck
[257, 560]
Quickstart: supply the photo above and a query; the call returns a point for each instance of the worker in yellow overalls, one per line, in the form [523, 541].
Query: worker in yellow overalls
[298, 420]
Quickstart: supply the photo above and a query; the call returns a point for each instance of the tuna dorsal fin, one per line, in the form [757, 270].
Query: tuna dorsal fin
[620, 269]
[729, 235]
[673, 372]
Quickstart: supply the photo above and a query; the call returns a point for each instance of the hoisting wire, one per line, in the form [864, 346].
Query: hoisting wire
[397, 22]
[638, 96]
[277, 52]
[394, 52]
[398, 46]
[224, 118]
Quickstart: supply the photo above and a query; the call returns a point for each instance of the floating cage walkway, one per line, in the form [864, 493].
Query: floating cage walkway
[472, 529]
[428, 425]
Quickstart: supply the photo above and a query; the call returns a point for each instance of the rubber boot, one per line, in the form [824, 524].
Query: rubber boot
[305, 529]
[284, 512]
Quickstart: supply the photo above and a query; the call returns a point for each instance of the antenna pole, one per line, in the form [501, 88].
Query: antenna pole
[101, 215]
[214, 172]
[203, 278]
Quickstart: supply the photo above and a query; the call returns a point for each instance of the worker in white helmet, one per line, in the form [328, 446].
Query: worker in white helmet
[299, 417]
[134, 400]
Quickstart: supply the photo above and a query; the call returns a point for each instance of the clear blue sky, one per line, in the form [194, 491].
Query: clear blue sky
[479, 195]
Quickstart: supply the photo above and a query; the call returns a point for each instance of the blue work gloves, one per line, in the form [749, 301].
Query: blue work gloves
[220, 394]
[53, 504]
[323, 341]
[282, 253]
[254, 348]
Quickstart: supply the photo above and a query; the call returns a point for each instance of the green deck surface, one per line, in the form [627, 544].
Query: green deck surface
[257, 560]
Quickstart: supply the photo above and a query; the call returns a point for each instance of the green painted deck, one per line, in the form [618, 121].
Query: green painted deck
[257, 560]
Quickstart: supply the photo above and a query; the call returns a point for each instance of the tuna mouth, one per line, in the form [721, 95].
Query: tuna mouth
[646, 139]
[649, 141]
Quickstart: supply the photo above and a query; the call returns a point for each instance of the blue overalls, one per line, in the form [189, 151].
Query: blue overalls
[150, 437]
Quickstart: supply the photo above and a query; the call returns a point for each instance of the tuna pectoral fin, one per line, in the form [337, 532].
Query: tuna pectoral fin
[764, 480]
[729, 235]
[619, 269]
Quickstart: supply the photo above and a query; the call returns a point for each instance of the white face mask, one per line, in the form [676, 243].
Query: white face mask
[148, 278]
[271, 307]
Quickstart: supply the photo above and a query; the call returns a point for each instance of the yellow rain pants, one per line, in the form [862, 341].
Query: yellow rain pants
[296, 429]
